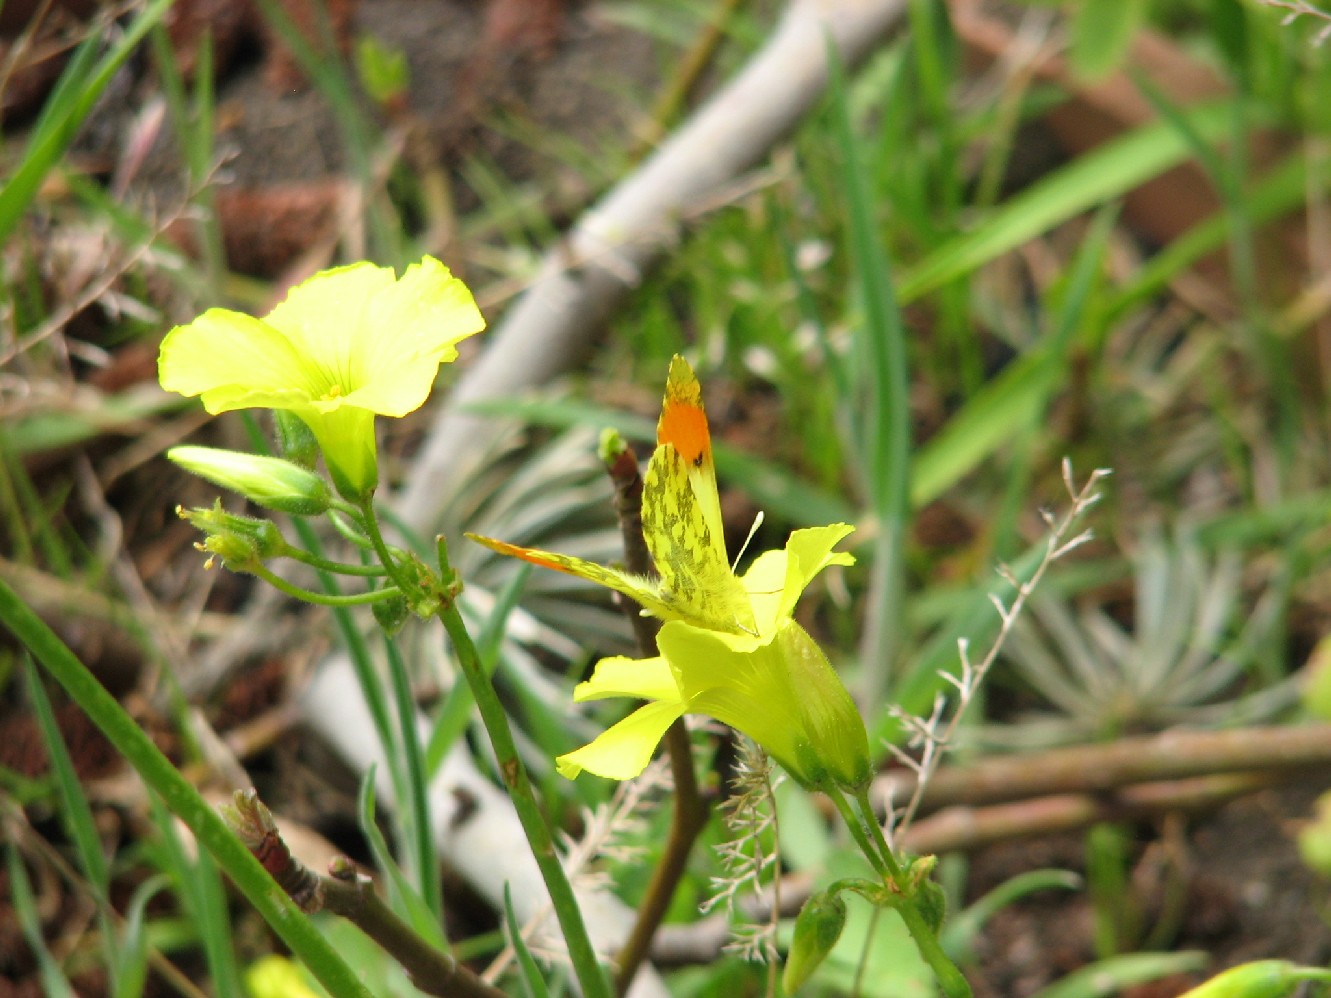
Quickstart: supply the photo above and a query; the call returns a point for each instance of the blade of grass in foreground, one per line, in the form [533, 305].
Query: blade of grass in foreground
[1105, 173]
[76, 816]
[295, 929]
[883, 407]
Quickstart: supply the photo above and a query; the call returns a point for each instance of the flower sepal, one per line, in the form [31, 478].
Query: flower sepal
[817, 929]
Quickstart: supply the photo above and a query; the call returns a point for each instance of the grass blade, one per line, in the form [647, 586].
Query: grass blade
[69, 105]
[883, 401]
[1105, 173]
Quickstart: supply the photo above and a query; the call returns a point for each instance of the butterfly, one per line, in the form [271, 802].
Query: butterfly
[681, 522]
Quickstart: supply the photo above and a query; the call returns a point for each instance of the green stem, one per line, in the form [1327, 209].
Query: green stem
[184, 801]
[950, 979]
[880, 840]
[336, 567]
[349, 529]
[322, 599]
[426, 864]
[371, 524]
[856, 829]
[585, 964]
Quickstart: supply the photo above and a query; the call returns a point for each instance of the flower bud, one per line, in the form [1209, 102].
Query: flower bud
[270, 482]
[391, 614]
[1259, 979]
[931, 901]
[240, 541]
[817, 929]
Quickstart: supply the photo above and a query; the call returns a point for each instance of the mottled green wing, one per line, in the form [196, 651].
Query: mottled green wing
[696, 581]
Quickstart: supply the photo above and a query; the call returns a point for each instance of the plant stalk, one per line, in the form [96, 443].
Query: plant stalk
[585, 963]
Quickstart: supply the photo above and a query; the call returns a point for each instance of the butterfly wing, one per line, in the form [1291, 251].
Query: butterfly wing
[645, 592]
[681, 513]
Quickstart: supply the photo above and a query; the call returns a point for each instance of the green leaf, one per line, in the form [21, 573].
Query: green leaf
[532, 982]
[1107, 172]
[54, 982]
[1102, 31]
[410, 902]
[1109, 977]
[158, 772]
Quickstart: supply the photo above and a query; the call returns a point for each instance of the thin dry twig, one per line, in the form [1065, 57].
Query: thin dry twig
[352, 895]
[1297, 9]
[933, 735]
[1170, 755]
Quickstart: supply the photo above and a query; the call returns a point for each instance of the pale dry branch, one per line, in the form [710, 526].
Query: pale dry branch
[601, 261]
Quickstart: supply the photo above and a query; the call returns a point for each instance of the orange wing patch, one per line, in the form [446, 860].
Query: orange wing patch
[646, 592]
[683, 422]
[681, 513]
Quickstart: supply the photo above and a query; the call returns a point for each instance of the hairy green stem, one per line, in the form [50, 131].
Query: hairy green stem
[371, 524]
[856, 829]
[689, 816]
[585, 964]
[322, 599]
[349, 529]
[336, 567]
[896, 879]
[876, 830]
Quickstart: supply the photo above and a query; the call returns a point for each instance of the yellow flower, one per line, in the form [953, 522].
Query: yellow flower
[346, 345]
[730, 647]
[779, 690]
[681, 521]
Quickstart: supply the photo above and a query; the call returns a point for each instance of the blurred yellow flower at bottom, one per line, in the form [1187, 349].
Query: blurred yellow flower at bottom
[277, 977]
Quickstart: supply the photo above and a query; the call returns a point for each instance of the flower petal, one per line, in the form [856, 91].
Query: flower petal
[739, 681]
[776, 579]
[624, 750]
[235, 361]
[324, 318]
[346, 437]
[781, 692]
[645, 678]
[379, 340]
[414, 325]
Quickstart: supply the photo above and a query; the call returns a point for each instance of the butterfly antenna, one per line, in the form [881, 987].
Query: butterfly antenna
[757, 522]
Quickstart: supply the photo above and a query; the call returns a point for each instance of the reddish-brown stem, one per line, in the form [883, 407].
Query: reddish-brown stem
[690, 813]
